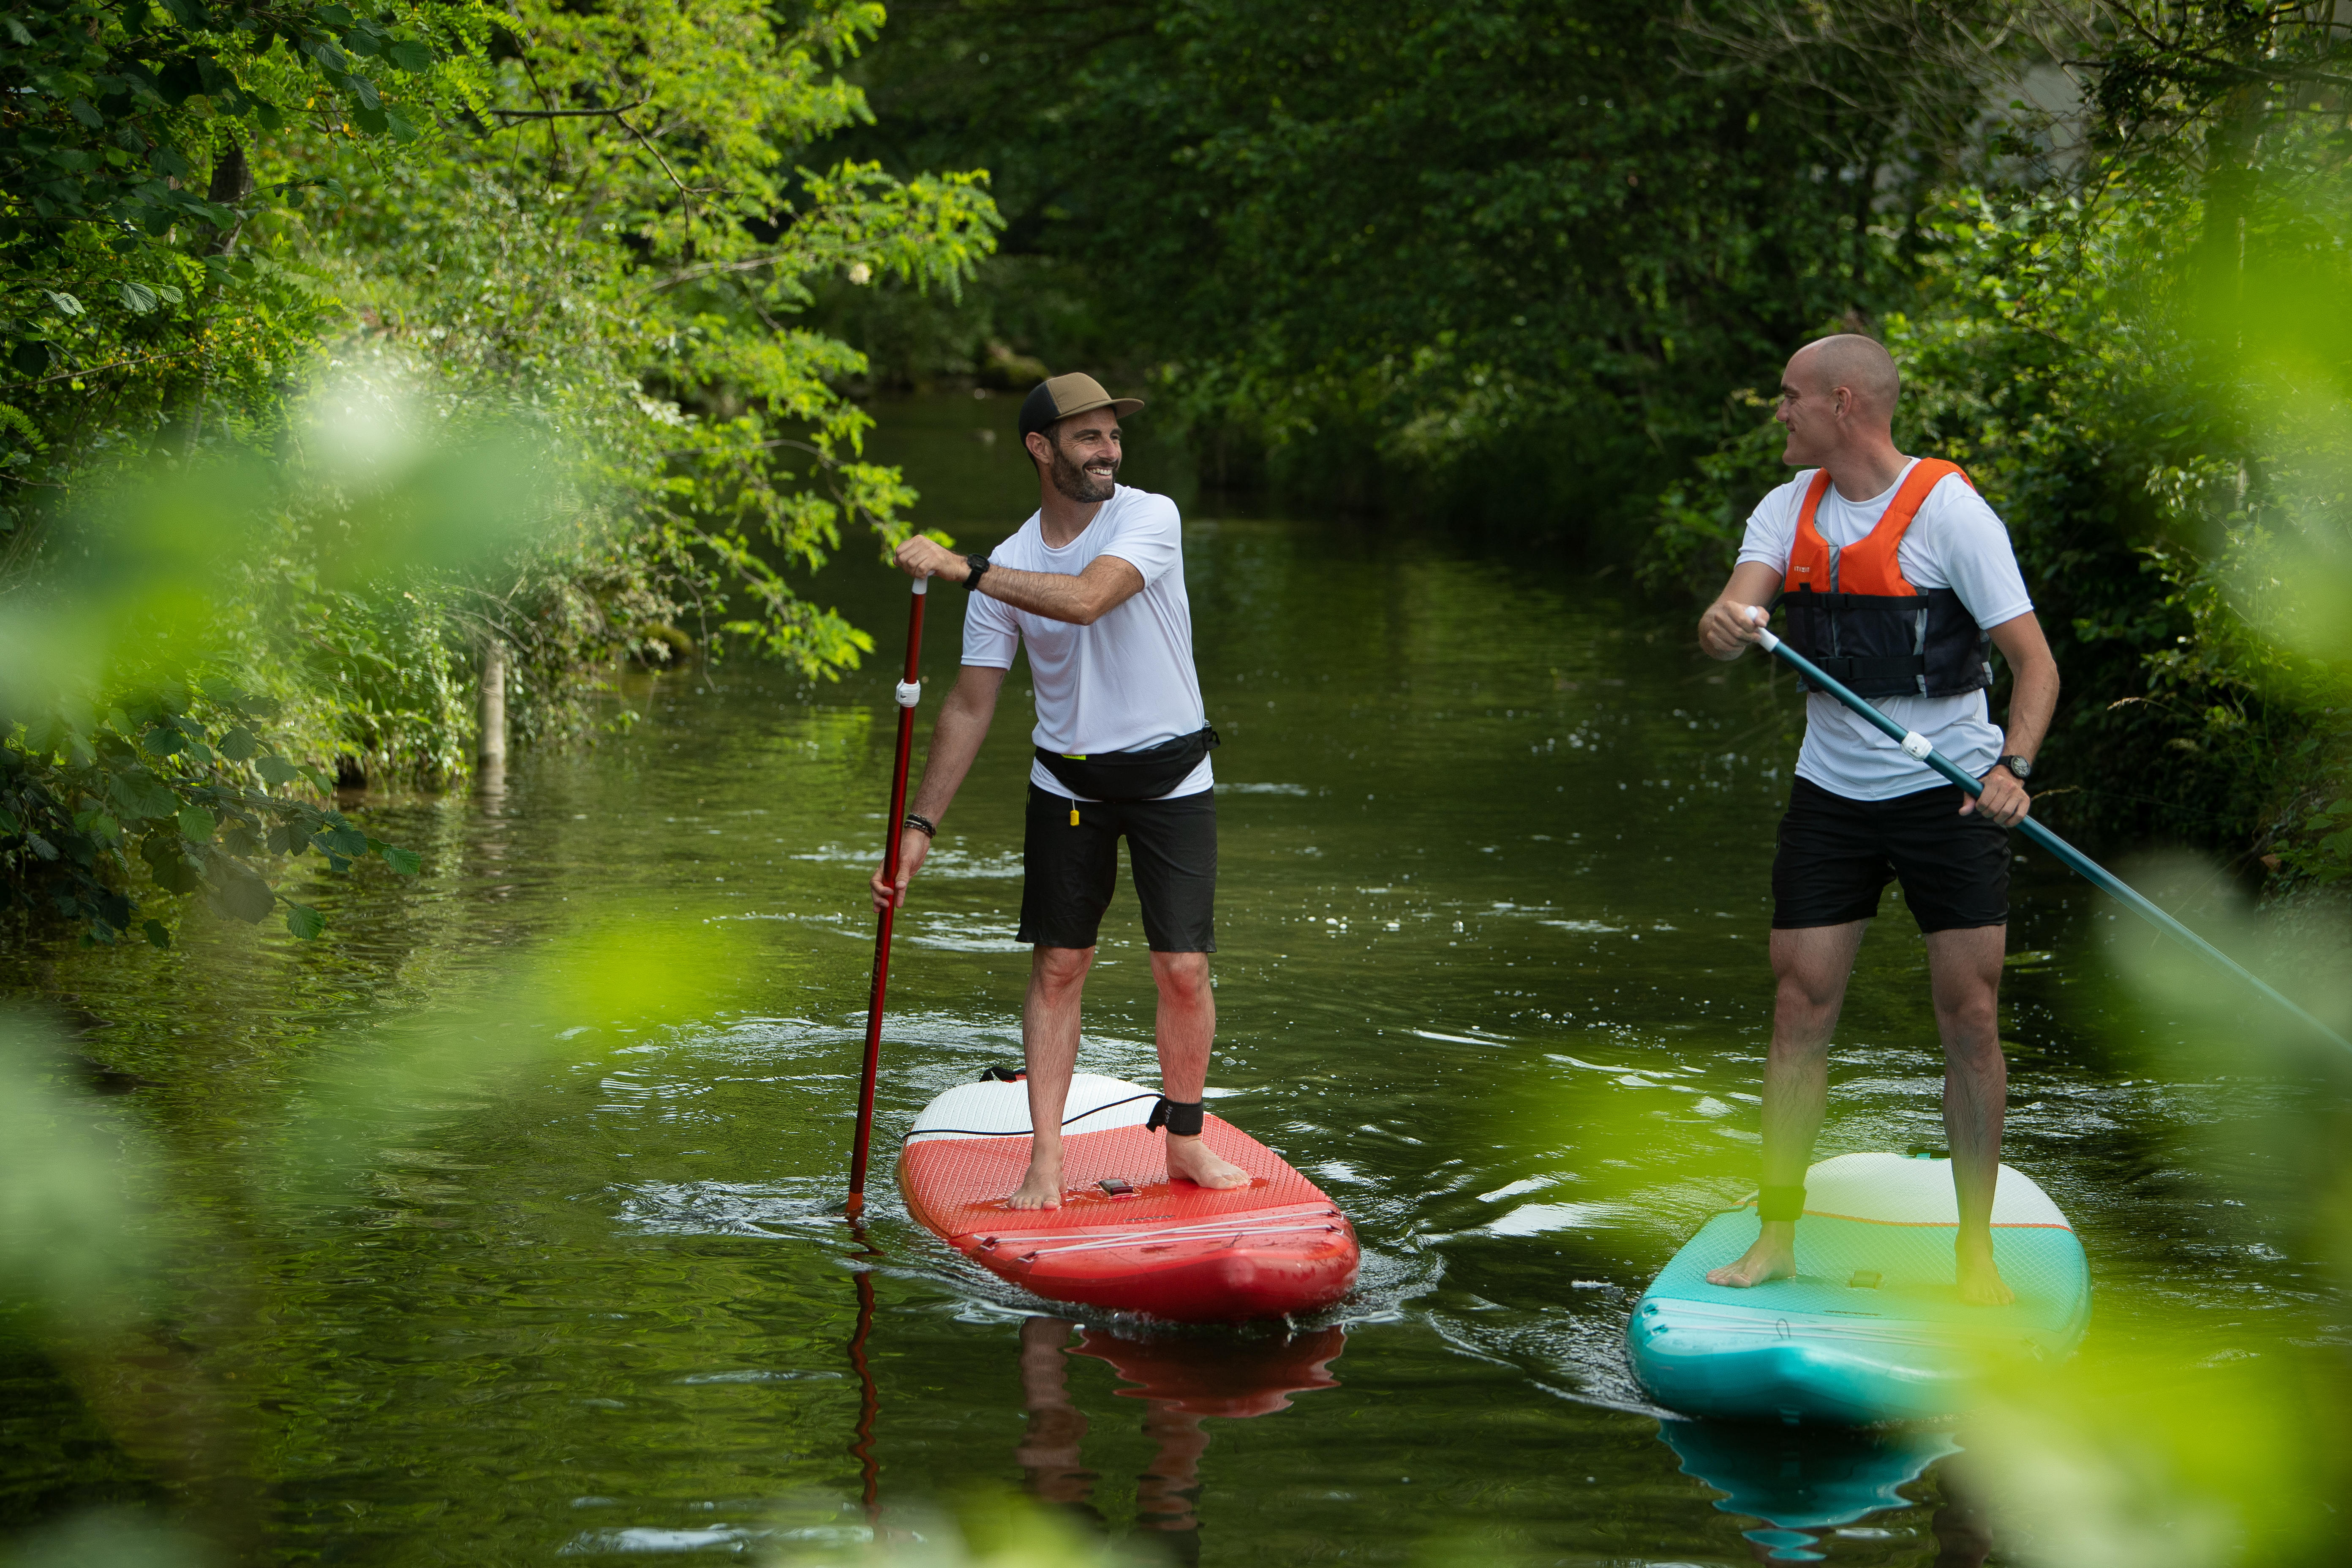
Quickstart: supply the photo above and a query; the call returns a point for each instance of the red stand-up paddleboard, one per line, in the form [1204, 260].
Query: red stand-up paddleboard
[1126, 1238]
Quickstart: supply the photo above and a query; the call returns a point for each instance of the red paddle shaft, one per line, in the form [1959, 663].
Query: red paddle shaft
[909, 693]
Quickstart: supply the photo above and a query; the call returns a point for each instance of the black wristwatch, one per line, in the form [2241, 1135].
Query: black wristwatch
[2022, 768]
[979, 565]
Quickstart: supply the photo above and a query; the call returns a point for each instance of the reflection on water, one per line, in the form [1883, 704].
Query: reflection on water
[1806, 1482]
[1182, 1381]
[566, 1275]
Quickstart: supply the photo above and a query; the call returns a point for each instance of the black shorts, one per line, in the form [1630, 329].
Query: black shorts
[1068, 872]
[1836, 855]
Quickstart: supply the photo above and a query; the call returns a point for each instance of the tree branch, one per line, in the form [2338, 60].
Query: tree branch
[575, 113]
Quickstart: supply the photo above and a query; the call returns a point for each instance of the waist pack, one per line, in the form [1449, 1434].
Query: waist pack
[1144, 774]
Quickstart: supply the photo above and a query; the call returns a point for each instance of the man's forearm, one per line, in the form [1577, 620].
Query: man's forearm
[955, 743]
[2032, 701]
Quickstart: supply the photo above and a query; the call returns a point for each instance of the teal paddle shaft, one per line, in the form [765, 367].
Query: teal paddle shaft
[1915, 745]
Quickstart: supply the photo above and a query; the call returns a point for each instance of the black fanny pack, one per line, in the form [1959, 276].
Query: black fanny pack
[1145, 774]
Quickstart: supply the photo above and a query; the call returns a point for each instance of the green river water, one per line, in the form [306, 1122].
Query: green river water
[499, 1226]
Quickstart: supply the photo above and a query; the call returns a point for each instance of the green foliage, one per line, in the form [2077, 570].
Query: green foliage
[177, 780]
[505, 302]
[126, 178]
[615, 261]
[1519, 253]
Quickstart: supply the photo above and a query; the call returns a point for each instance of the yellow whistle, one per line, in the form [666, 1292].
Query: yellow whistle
[1073, 814]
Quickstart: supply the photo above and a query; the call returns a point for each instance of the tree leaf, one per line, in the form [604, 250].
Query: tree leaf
[403, 862]
[276, 770]
[245, 896]
[157, 935]
[411, 55]
[138, 795]
[137, 297]
[345, 841]
[197, 825]
[238, 744]
[304, 921]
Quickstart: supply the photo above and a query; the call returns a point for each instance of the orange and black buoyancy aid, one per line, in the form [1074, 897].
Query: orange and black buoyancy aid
[1850, 612]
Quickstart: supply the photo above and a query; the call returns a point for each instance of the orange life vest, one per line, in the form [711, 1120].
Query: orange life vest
[1852, 612]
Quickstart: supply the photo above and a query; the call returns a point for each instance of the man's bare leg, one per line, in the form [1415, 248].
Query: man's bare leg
[1186, 1024]
[1964, 966]
[1811, 965]
[1049, 1043]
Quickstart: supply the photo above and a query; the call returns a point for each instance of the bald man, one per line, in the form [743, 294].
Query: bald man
[1895, 576]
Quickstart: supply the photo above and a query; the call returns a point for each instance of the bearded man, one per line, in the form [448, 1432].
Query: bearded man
[1092, 586]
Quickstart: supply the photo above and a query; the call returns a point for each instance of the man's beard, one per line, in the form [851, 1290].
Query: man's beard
[1076, 484]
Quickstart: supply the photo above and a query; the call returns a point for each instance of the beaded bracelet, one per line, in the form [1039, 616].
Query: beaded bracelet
[922, 825]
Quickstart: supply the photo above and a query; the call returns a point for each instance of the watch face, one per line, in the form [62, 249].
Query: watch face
[2019, 766]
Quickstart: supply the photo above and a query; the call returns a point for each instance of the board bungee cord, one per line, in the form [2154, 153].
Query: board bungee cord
[1916, 746]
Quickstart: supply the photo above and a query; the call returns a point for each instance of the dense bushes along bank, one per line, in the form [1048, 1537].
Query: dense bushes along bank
[1516, 263]
[346, 345]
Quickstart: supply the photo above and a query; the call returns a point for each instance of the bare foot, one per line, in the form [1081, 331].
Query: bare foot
[1040, 1189]
[1190, 1160]
[1981, 1281]
[1774, 1257]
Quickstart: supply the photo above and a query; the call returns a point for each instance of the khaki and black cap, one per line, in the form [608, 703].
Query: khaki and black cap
[1059, 397]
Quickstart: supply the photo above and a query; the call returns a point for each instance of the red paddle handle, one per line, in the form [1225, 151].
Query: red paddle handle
[909, 692]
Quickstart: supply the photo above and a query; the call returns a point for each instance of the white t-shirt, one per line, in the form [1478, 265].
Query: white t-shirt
[1123, 683]
[1955, 541]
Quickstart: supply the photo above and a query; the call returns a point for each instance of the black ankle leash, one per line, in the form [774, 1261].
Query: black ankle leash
[1179, 1117]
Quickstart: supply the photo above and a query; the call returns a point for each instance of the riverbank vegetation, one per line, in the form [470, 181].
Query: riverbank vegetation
[1535, 269]
[1528, 270]
[442, 339]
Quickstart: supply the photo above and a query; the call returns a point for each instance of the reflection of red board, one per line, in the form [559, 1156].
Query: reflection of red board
[1232, 1381]
[1172, 1249]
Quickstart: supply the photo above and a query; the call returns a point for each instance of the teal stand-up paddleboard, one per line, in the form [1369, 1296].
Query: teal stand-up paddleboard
[1871, 1327]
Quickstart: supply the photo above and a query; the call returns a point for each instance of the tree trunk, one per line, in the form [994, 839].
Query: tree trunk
[232, 181]
[493, 750]
[2231, 143]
